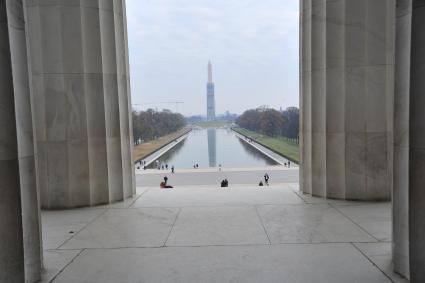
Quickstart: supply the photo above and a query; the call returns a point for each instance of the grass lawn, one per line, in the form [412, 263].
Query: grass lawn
[278, 144]
[142, 150]
[212, 124]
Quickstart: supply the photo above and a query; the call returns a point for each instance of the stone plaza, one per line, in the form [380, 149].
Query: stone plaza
[210, 234]
[66, 146]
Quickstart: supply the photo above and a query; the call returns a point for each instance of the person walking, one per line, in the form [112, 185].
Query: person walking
[172, 169]
[289, 163]
[266, 179]
[165, 180]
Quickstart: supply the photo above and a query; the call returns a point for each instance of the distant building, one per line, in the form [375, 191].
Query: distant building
[210, 95]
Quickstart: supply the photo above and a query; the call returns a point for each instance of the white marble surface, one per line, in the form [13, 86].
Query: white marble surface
[204, 226]
[283, 263]
[60, 226]
[409, 197]
[20, 246]
[81, 102]
[318, 223]
[206, 234]
[207, 196]
[374, 218]
[346, 98]
[55, 261]
[380, 254]
[118, 228]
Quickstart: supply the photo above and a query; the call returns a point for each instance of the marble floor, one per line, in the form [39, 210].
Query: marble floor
[236, 234]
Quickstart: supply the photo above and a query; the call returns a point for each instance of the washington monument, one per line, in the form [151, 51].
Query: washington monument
[210, 95]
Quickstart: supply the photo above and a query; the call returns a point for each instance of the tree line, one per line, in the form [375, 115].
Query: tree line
[152, 124]
[271, 122]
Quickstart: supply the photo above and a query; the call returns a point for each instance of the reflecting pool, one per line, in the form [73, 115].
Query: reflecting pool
[213, 147]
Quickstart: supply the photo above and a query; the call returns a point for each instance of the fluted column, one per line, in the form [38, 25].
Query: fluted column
[347, 99]
[94, 99]
[318, 97]
[58, 98]
[301, 86]
[335, 98]
[123, 94]
[130, 116]
[110, 84]
[80, 102]
[401, 138]
[417, 145]
[305, 97]
[409, 141]
[20, 245]
[369, 88]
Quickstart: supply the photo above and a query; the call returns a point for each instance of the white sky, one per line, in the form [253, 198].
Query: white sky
[253, 46]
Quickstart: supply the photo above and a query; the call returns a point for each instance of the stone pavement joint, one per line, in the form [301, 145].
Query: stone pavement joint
[246, 234]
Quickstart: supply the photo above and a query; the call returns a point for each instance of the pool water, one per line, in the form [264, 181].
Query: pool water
[213, 147]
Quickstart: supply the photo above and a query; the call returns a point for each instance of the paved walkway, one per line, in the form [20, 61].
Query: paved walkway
[237, 234]
[213, 177]
[215, 169]
[154, 156]
[276, 157]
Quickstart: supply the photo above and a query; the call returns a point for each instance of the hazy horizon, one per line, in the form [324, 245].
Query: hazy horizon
[253, 48]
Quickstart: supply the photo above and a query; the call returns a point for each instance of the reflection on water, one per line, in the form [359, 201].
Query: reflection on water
[251, 150]
[210, 147]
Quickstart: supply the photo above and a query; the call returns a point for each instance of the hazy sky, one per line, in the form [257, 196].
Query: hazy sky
[253, 46]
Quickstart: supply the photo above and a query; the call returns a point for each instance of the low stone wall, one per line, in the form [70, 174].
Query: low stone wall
[269, 148]
[163, 146]
[163, 149]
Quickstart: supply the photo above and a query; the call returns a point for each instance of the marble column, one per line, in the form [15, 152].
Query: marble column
[305, 96]
[123, 94]
[80, 99]
[94, 99]
[318, 97]
[335, 99]
[347, 98]
[401, 139]
[417, 145]
[130, 109]
[110, 84]
[20, 245]
[409, 141]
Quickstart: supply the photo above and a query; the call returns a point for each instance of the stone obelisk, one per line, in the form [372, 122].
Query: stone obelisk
[210, 95]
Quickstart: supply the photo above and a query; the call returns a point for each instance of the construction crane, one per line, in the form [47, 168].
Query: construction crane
[161, 102]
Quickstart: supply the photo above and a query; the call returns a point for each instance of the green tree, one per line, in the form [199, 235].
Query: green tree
[151, 124]
[292, 121]
[271, 122]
